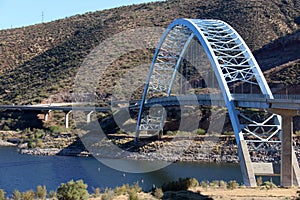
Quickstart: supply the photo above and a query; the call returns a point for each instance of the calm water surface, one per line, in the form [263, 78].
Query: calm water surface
[24, 172]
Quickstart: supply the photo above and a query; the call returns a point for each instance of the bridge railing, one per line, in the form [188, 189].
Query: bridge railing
[289, 96]
[265, 96]
[250, 96]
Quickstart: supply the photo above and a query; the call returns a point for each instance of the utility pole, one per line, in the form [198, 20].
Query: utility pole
[42, 16]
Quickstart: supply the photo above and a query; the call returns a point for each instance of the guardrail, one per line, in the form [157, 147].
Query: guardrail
[205, 99]
[265, 96]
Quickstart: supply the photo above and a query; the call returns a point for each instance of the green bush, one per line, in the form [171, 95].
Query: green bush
[259, 181]
[133, 194]
[17, 195]
[39, 143]
[28, 195]
[228, 133]
[181, 184]
[97, 193]
[193, 182]
[108, 194]
[121, 190]
[73, 191]
[158, 193]
[41, 192]
[56, 129]
[125, 189]
[269, 185]
[214, 184]
[204, 184]
[232, 185]
[31, 143]
[2, 194]
[223, 184]
[171, 133]
[52, 194]
[6, 128]
[136, 187]
[200, 131]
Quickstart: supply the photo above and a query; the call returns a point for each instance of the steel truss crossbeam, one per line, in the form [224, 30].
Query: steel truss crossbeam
[232, 62]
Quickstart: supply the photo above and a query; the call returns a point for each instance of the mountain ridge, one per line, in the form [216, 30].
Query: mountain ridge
[39, 61]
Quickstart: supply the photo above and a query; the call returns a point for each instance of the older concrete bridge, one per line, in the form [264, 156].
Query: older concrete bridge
[67, 108]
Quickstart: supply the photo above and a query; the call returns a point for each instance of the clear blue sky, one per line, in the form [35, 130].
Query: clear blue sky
[18, 13]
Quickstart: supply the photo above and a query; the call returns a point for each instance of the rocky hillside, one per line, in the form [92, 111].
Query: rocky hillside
[37, 62]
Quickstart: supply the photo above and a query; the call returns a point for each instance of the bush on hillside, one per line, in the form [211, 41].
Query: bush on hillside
[28, 195]
[73, 191]
[2, 194]
[41, 192]
[17, 195]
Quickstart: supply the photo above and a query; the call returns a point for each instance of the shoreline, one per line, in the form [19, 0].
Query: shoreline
[7, 144]
[169, 151]
[202, 149]
[207, 149]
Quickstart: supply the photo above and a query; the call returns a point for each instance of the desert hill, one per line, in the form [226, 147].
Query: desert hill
[42, 60]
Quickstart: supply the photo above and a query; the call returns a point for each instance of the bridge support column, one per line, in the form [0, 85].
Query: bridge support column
[286, 177]
[67, 118]
[88, 117]
[289, 172]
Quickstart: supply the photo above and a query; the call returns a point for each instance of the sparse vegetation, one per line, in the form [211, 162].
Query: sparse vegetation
[187, 186]
[97, 193]
[232, 184]
[28, 195]
[41, 192]
[228, 133]
[17, 195]
[223, 184]
[52, 194]
[108, 194]
[180, 184]
[269, 185]
[2, 194]
[259, 181]
[158, 193]
[214, 184]
[200, 131]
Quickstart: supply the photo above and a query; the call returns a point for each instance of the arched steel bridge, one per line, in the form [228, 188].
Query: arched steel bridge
[222, 49]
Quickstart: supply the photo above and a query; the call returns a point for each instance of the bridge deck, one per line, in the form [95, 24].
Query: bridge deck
[289, 102]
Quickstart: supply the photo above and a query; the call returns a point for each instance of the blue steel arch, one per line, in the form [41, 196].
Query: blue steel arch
[232, 61]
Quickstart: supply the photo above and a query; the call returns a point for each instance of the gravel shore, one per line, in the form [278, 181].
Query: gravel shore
[201, 149]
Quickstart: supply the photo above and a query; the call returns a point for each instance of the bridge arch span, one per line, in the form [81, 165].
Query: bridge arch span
[232, 63]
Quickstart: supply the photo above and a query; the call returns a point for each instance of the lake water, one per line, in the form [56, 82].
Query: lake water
[24, 172]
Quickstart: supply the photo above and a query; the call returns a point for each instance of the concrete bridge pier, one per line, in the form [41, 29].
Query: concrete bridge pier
[289, 170]
[46, 115]
[88, 117]
[67, 115]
